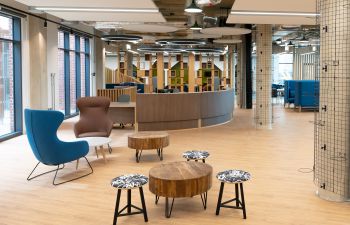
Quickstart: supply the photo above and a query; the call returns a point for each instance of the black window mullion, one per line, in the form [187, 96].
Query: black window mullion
[77, 67]
[66, 74]
[17, 73]
[87, 67]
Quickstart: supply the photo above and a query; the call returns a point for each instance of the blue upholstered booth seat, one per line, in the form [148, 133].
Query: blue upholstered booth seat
[41, 126]
[289, 91]
[307, 93]
[140, 87]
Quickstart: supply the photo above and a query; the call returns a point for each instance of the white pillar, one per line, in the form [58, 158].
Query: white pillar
[263, 109]
[332, 130]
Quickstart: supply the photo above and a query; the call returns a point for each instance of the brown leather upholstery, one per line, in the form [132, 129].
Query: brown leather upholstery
[94, 120]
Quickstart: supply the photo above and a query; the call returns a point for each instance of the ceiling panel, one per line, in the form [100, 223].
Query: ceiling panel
[271, 20]
[101, 16]
[307, 6]
[119, 17]
[92, 3]
[276, 5]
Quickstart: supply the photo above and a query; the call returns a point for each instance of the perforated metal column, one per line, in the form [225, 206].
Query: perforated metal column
[332, 129]
[263, 108]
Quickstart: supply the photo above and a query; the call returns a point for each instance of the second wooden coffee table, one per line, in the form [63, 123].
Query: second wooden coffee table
[180, 179]
[149, 140]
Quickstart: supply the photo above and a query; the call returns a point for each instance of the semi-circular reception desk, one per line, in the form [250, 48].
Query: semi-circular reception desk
[183, 110]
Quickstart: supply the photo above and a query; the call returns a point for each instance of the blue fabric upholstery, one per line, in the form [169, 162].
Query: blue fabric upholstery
[124, 98]
[307, 93]
[140, 87]
[289, 91]
[41, 126]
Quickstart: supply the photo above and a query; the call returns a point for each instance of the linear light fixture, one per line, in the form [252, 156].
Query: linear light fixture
[267, 13]
[82, 9]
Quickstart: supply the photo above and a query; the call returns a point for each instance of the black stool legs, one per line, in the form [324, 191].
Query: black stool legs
[239, 200]
[143, 205]
[128, 207]
[116, 211]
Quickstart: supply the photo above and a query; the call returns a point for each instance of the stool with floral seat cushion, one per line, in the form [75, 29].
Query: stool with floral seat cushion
[196, 155]
[236, 177]
[129, 182]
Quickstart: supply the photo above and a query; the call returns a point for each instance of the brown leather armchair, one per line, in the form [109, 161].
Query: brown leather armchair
[94, 120]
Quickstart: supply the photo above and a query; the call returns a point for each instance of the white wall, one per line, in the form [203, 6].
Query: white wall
[111, 62]
[52, 65]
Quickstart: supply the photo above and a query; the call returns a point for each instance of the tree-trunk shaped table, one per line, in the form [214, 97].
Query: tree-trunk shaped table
[180, 179]
[148, 141]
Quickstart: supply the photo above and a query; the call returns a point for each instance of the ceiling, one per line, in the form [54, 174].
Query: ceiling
[95, 16]
[171, 14]
[305, 6]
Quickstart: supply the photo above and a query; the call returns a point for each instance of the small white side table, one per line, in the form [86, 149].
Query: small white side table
[95, 142]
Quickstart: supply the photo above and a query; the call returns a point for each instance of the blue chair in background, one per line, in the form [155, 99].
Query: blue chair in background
[123, 98]
[139, 86]
[289, 92]
[307, 94]
[41, 126]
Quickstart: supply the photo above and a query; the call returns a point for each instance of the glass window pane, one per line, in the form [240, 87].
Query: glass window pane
[82, 69]
[6, 27]
[61, 86]
[60, 39]
[6, 89]
[72, 85]
[82, 44]
[72, 42]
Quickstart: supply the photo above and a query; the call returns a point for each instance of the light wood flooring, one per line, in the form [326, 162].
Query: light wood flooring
[277, 194]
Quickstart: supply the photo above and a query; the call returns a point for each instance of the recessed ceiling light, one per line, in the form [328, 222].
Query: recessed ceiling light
[82, 9]
[267, 13]
[193, 8]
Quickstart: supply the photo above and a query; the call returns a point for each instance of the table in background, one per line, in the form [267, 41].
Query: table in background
[95, 142]
[148, 141]
[122, 112]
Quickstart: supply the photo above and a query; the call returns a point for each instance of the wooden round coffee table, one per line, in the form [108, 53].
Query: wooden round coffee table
[180, 179]
[149, 140]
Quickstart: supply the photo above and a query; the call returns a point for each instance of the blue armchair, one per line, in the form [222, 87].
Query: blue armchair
[307, 94]
[289, 91]
[41, 126]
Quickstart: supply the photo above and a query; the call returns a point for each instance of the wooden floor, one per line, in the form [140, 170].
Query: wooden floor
[277, 194]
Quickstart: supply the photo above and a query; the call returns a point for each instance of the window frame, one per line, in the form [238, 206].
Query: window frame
[17, 76]
[77, 51]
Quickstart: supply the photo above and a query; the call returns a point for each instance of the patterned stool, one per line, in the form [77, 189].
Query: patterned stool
[128, 182]
[236, 177]
[196, 155]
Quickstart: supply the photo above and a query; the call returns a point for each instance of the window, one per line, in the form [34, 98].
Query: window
[10, 77]
[283, 68]
[74, 70]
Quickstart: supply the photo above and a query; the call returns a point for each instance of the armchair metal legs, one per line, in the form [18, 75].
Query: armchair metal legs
[56, 171]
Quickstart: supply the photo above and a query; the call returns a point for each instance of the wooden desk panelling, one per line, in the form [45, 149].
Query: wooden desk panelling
[216, 107]
[183, 110]
[122, 112]
[114, 93]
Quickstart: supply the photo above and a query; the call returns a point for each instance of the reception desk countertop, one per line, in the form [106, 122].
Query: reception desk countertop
[183, 110]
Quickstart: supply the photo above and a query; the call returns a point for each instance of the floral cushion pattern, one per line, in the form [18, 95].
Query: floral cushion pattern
[233, 176]
[129, 181]
[195, 155]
